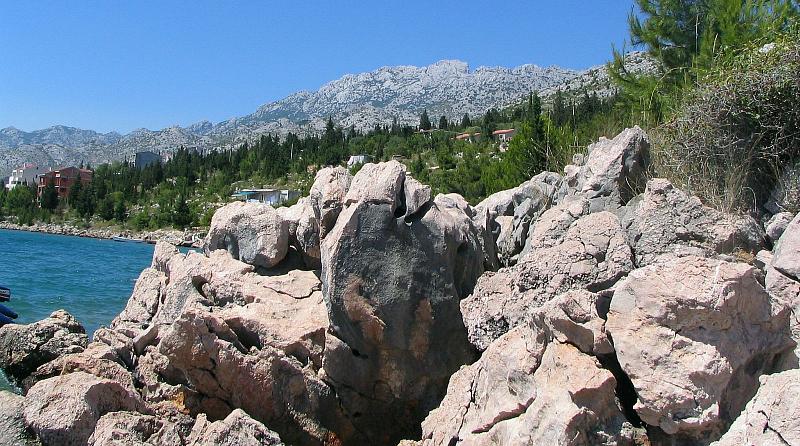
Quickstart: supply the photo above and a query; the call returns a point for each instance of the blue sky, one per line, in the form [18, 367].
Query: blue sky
[120, 65]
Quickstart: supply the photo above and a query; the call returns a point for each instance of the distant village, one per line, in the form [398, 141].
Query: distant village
[64, 177]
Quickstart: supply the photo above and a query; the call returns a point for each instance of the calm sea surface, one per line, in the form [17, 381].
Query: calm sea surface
[91, 279]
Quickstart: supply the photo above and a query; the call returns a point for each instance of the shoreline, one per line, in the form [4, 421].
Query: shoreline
[186, 239]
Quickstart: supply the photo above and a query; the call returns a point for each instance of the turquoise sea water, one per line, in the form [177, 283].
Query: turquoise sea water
[90, 278]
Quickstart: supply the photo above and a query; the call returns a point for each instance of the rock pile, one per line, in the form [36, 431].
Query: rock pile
[374, 313]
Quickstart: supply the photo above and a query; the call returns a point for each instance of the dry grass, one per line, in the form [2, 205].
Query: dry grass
[736, 132]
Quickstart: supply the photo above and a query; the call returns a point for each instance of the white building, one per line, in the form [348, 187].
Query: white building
[26, 174]
[358, 159]
[272, 197]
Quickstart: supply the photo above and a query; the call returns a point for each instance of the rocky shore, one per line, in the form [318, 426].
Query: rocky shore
[593, 307]
[188, 238]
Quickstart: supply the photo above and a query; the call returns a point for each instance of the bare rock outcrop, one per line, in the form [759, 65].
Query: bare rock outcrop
[777, 224]
[589, 253]
[787, 250]
[523, 205]
[772, 417]
[135, 429]
[694, 334]
[64, 410]
[237, 429]
[251, 232]
[392, 282]
[528, 390]
[304, 231]
[23, 348]
[327, 196]
[667, 220]
[12, 421]
[613, 172]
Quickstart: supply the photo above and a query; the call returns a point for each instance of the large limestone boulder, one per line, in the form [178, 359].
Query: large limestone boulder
[135, 429]
[787, 250]
[772, 417]
[287, 313]
[392, 283]
[97, 359]
[23, 348]
[327, 196]
[528, 390]
[12, 421]
[667, 220]
[613, 172]
[694, 334]
[237, 429]
[591, 255]
[64, 410]
[251, 232]
[276, 388]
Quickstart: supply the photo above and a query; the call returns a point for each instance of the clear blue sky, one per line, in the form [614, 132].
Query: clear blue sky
[120, 65]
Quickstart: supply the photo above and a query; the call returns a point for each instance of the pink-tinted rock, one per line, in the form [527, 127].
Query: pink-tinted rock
[694, 334]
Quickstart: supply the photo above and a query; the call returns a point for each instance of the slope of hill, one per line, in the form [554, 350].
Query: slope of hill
[362, 100]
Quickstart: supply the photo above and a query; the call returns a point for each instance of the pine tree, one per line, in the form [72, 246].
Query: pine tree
[685, 37]
[443, 123]
[49, 198]
[424, 121]
[465, 121]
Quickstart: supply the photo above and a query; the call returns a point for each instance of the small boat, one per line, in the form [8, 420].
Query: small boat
[7, 315]
[128, 240]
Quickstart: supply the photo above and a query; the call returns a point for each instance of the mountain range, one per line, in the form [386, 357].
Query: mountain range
[362, 100]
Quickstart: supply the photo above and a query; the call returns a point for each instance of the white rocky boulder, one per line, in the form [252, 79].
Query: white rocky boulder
[772, 417]
[251, 232]
[694, 334]
[64, 410]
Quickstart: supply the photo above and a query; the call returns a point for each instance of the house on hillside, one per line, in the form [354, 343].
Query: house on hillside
[358, 159]
[504, 135]
[63, 178]
[468, 137]
[25, 174]
[272, 197]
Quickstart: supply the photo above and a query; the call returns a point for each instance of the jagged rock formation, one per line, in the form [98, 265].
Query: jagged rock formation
[627, 313]
[394, 268]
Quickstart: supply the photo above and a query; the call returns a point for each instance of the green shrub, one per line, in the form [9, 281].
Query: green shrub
[734, 133]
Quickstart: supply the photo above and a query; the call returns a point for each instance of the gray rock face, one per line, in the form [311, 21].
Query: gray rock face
[777, 224]
[12, 421]
[327, 196]
[392, 283]
[772, 417]
[694, 334]
[64, 410]
[614, 170]
[23, 348]
[590, 255]
[787, 251]
[523, 204]
[303, 231]
[667, 220]
[251, 232]
[237, 429]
